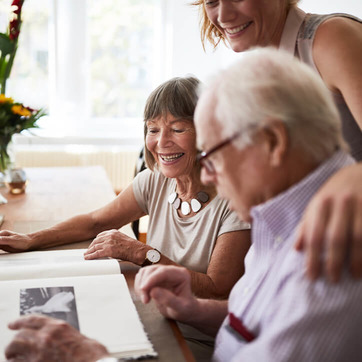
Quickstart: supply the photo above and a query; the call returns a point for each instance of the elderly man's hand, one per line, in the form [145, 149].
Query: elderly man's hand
[333, 221]
[170, 288]
[42, 338]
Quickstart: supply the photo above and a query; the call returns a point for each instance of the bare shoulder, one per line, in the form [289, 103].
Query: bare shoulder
[335, 34]
[337, 47]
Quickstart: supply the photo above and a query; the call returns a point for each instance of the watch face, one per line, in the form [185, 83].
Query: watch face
[153, 256]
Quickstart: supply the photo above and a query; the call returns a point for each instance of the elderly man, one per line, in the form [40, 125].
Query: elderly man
[273, 137]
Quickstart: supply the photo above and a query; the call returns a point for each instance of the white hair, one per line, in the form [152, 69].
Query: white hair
[268, 84]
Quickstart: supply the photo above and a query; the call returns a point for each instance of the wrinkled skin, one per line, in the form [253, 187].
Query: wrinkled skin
[41, 338]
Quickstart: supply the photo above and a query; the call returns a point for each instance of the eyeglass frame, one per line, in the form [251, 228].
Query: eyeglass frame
[202, 158]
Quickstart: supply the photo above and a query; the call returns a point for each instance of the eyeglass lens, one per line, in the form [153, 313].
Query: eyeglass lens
[209, 166]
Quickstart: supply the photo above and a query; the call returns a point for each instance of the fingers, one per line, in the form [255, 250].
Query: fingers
[30, 322]
[25, 342]
[356, 250]
[97, 248]
[142, 285]
[21, 346]
[167, 303]
[333, 226]
[5, 233]
[169, 287]
[313, 227]
[95, 252]
[106, 244]
[337, 237]
[6, 239]
[174, 278]
[14, 242]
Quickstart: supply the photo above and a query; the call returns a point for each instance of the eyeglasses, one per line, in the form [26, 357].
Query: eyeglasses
[204, 159]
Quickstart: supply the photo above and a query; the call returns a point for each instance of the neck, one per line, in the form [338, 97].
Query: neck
[189, 185]
[293, 171]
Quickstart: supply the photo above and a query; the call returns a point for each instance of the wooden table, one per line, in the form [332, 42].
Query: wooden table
[55, 194]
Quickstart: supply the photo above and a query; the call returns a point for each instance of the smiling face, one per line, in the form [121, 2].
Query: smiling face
[248, 23]
[172, 143]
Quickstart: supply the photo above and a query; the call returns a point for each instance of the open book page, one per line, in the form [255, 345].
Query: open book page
[49, 264]
[100, 307]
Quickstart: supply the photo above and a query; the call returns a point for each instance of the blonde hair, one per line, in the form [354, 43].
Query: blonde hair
[208, 31]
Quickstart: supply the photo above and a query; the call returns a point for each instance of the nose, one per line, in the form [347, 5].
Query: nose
[226, 12]
[207, 178]
[164, 139]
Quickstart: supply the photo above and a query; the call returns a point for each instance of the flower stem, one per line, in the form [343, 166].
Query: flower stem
[4, 158]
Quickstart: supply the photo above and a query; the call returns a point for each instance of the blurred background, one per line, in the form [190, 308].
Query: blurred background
[92, 64]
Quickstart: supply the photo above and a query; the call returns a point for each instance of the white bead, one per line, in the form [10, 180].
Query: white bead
[172, 197]
[185, 208]
[195, 205]
[176, 204]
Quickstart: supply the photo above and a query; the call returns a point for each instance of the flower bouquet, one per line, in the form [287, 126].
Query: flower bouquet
[14, 116]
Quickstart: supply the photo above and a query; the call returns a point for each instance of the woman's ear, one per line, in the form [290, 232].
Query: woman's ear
[277, 141]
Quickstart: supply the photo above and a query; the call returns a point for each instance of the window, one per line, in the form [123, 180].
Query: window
[91, 63]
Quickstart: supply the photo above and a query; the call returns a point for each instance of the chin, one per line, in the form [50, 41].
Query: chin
[239, 47]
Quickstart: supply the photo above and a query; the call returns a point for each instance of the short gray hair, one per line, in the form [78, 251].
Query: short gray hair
[269, 84]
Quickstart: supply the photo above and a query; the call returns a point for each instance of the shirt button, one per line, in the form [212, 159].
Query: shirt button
[278, 240]
[246, 290]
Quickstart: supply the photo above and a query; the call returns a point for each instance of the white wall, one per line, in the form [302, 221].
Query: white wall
[187, 53]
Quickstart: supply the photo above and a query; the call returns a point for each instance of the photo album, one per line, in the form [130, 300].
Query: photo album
[91, 295]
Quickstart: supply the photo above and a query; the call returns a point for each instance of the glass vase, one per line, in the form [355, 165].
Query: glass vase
[5, 154]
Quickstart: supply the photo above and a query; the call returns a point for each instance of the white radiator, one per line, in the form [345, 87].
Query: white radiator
[118, 163]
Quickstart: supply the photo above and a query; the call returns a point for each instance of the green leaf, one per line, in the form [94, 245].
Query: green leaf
[6, 45]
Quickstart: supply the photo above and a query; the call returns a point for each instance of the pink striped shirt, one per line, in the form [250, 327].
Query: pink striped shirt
[282, 316]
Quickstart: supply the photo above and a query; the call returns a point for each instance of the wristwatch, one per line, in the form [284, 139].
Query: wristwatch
[153, 256]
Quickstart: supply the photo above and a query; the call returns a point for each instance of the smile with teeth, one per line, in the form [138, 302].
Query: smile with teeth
[170, 158]
[238, 28]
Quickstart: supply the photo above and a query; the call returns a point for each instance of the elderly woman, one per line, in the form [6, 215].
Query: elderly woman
[189, 224]
[332, 46]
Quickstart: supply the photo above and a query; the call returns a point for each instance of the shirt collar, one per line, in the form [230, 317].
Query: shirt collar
[282, 213]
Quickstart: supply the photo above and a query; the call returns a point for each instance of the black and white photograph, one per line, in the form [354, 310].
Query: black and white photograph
[56, 302]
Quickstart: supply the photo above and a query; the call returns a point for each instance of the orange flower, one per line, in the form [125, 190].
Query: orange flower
[4, 99]
[20, 110]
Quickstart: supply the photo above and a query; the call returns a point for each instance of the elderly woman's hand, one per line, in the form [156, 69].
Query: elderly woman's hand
[114, 244]
[333, 221]
[170, 288]
[14, 242]
[42, 338]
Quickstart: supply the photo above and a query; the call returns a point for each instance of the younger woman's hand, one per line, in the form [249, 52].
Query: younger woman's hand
[332, 226]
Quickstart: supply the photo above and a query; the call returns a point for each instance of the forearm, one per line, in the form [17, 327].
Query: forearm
[78, 228]
[202, 284]
[209, 315]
